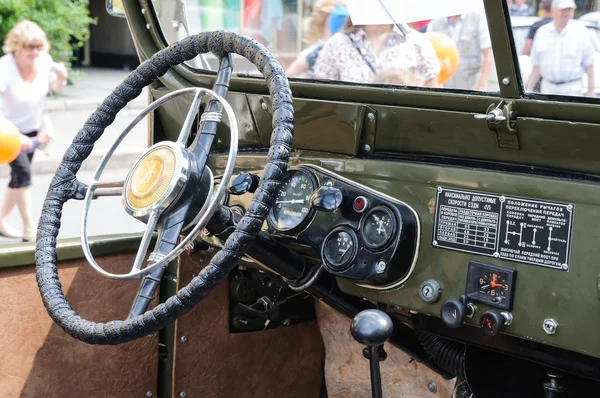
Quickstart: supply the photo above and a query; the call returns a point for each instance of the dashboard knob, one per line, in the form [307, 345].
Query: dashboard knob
[326, 198]
[454, 312]
[491, 322]
[243, 183]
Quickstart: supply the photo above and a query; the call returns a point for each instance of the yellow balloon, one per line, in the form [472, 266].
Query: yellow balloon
[447, 53]
[10, 141]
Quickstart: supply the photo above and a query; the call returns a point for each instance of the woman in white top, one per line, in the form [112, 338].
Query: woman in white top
[26, 74]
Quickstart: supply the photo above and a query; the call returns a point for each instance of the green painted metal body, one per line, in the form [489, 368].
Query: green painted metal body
[569, 297]
[334, 129]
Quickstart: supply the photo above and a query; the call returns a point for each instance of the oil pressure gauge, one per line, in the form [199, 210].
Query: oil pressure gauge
[339, 249]
[491, 284]
[378, 227]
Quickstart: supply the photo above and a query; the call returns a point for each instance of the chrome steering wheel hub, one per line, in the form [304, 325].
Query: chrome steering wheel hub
[156, 179]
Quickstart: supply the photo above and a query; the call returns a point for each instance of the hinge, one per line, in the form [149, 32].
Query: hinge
[501, 119]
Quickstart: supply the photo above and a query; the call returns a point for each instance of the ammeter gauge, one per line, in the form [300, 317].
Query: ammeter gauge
[378, 227]
[491, 284]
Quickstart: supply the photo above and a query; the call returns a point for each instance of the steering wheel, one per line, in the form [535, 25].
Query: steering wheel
[168, 183]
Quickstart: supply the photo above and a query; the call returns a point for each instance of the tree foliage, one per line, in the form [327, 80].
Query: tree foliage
[66, 22]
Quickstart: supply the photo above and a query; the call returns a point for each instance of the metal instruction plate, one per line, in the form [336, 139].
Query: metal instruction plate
[510, 228]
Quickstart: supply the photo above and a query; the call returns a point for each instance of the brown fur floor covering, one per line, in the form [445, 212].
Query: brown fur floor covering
[347, 371]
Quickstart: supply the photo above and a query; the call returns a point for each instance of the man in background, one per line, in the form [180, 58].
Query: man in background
[562, 51]
[472, 37]
[545, 7]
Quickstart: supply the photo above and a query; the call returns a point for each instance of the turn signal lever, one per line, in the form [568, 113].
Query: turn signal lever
[373, 328]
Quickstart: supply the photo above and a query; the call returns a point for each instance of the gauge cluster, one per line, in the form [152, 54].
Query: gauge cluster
[359, 233]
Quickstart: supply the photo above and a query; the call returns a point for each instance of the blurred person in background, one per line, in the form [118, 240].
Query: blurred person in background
[562, 51]
[359, 53]
[472, 37]
[546, 13]
[399, 77]
[327, 18]
[27, 72]
[520, 8]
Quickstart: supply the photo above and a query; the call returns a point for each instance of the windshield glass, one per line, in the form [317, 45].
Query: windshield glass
[433, 43]
[558, 45]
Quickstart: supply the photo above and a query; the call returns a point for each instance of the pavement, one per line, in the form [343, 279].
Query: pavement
[106, 215]
[68, 111]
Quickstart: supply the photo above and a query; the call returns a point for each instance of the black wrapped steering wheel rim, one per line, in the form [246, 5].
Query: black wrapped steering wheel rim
[64, 186]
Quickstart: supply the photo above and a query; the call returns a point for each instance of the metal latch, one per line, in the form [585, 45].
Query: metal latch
[501, 119]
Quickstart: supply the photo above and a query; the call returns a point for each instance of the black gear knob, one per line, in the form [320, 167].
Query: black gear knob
[371, 327]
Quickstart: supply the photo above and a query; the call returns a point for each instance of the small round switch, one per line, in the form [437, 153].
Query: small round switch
[491, 322]
[326, 198]
[430, 291]
[243, 183]
[453, 313]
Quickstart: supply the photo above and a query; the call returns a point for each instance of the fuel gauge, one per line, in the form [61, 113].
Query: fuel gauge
[340, 248]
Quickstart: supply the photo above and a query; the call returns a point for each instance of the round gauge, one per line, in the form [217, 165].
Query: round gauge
[339, 248]
[378, 227]
[292, 203]
[494, 285]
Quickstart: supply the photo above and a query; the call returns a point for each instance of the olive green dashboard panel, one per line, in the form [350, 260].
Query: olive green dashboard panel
[319, 125]
[569, 297]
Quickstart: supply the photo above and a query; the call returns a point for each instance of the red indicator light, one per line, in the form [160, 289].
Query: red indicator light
[360, 204]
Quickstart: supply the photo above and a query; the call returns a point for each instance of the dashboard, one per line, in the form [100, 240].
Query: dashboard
[354, 232]
[478, 254]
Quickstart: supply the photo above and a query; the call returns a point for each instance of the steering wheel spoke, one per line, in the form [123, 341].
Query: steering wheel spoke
[109, 188]
[146, 238]
[189, 119]
[169, 226]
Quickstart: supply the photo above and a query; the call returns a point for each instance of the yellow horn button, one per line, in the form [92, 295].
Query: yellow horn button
[151, 178]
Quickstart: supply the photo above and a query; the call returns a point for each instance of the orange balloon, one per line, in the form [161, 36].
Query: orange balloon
[10, 141]
[447, 54]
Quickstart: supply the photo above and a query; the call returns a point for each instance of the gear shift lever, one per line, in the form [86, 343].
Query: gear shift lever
[373, 328]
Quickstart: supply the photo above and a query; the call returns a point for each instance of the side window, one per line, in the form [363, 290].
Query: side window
[350, 41]
[558, 46]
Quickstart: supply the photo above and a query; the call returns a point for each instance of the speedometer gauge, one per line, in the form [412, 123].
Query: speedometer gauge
[292, 204]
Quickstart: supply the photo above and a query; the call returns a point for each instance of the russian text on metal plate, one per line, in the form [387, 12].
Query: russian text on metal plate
[512, 228]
